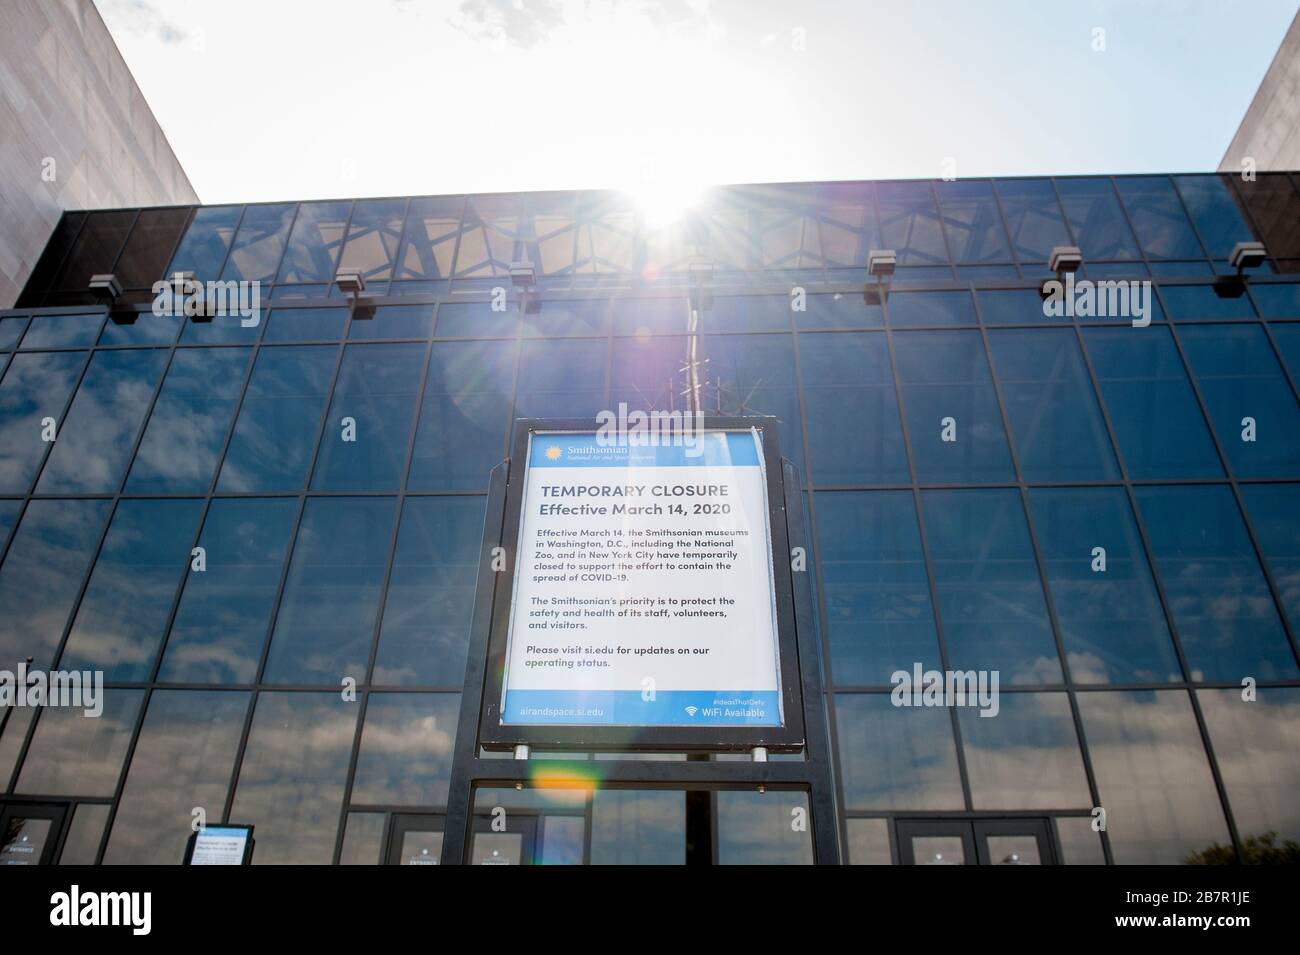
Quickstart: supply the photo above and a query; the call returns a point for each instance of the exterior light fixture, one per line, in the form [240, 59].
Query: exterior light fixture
[105, 287]
[881, 264]
[1247, 255]
[1065, 258]
[523, 276]
[352, 283]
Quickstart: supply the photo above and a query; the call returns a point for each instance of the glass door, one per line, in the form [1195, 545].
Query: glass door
[975, 842]
[30, 833]
[416, 839]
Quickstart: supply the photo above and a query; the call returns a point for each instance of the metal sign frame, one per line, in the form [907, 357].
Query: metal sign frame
[800, 668]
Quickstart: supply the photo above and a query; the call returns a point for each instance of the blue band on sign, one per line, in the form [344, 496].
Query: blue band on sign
[630, 708]
[587, 450]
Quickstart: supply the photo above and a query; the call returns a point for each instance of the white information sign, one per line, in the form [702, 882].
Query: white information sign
[643, 592]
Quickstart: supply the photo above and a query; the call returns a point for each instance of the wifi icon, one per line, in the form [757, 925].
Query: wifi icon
[692, 710]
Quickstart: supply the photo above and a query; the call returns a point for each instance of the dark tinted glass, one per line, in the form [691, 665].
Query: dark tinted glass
[369, 423]
[1056, 424]
[1096, 219]
[1274, 511]
[1240, 378]
[42, 573]
[948, 394]
[259, 243]
[854, 433]
[326, 620]
[150, 246]
[1152, 774]
[206, 242]
[278, 424]
[466, 406]
[96, 438]
[35, 387]
[972, 221]
[1213, 207]
[63, 331]
[1158, 424]
[96, 248]
[123, 614]
[878, 615]
[72, 755]
[183, 761]
[990, 597]
[1188, 302]
[190, 420]
[1221, 605]
[894, 757]
[406, 748]
[1106, 603]
[1033, 217]
[47, 266]
[1025, 757]
[1157, 215]
[425, 629]
[293, 775]
[1278, 300]
[221, 623]
[11, 329]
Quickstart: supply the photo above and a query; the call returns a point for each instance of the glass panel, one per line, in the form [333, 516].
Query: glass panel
[917, 309]
[629, 827]
[277, 428]
[182, 761]
[909, 223]
[13, 734]
[1240, 378]
[1156, 213]
[432, 226]
[58, 246]
[292, 778]
[748, 313]
[990, 597]
[1220, 602]
[72, 755]
[306, 324]
[1034, 218]
[839, 310]
[1213, 207]
[563, 840]
[84, 835]
[1152, 774]
[34, 388]
[1274, 511]
[972, 221]
[140, 328]
[220, 626]
[1026, 756]
[96, 248]
[763, 828]
[555, 318]
[203, 250]
[477, 320]
[420, 847]
[97, 436]
[1097, 219]
[259, 243]
[938, 850]
[1055, 422]
[373, 234]
[327, 614]
[392, 321]
[495, 848]
[1107, 607]
[1080, 844]
[895, 757]
[124, 612]
[1016, 306]
[1274, 205]
[425, 631]
[753, 375]
[42, 574]
[868, 842]
[650, 316]
[1013, 850]
[150, 246]
[1186, 302]
[1279, 301]
[363, 837]
[406, 749]
[63, 331]
[190, 420]
[315, 242]
[854, 432]
[25, 839]
[561, 379]
[369, 424]
[1257, 747]
[950, 408]
[9, 511]
[1159, 427]
[878, 613]
[466, 406]
[11, 329]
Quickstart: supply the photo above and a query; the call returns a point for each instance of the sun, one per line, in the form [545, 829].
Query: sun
[553, 453]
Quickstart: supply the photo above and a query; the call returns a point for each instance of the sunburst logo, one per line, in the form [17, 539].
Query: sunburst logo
[553, 453]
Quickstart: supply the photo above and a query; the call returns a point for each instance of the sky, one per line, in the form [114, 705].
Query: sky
[313, 99]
